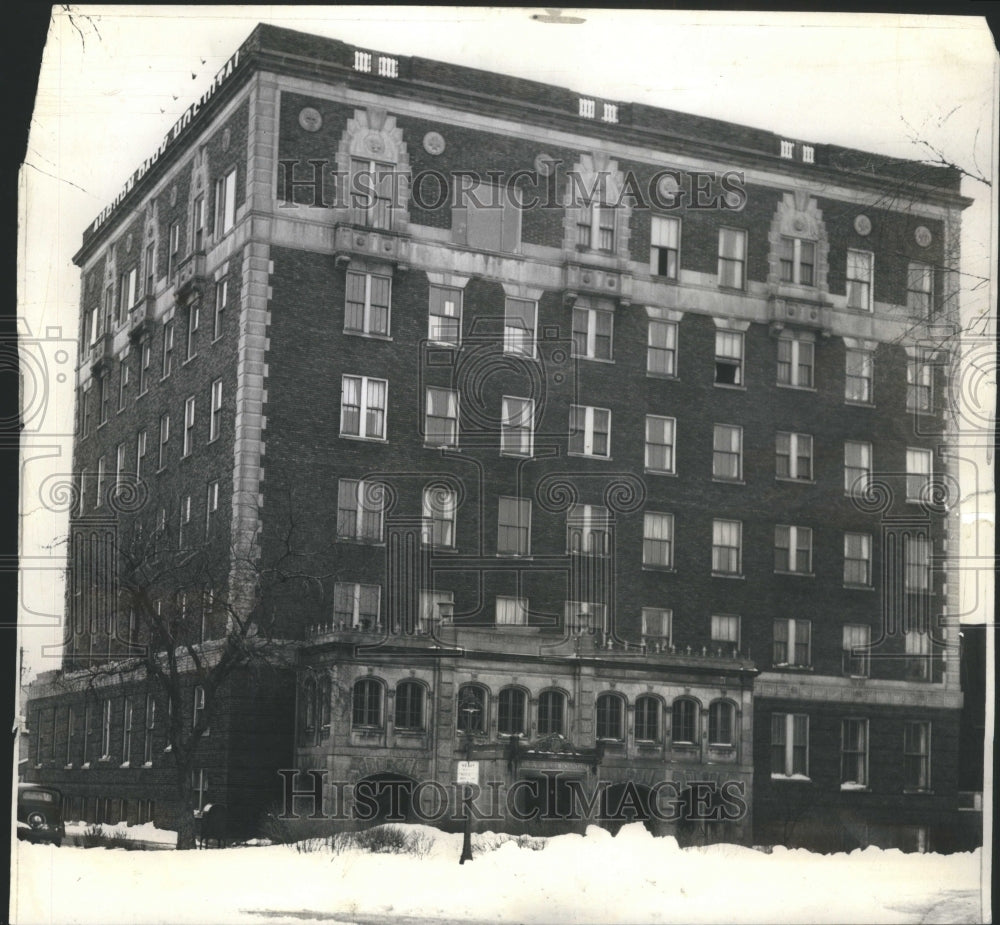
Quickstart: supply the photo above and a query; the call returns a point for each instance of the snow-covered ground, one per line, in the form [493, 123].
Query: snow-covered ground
[147, 832]
[598, 878]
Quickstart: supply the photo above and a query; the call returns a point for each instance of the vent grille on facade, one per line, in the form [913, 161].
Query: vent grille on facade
[386, 66]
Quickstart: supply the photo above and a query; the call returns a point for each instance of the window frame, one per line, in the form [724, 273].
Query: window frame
[689, 725]
[365, 407]
[521, 505]
[370, 705]
[516, 340]
[643, 723]
[672, 329]
[794, 456]
[591, 335]
[663, 615]
[439, 291]
[799, 543]
[915, 492]
[866, 548]
[449, 436]
[737, 263]
[583, 522]
[920, 300]
[857, 754]
[520, 609]
[796, 263]
[667, 448]
[356, 592]
[663, 542]
[857, 472]
[660, 254]
[785, 729]
[527, 410]
[409, 707]
[920, 754]
[225, 204]
[516, 725]
[720, 546]
[721, 712]
[866, 376]
[188, 435]
[720, 636]
[215, 416]
[865, 285]
[439, 522]
[919, 385]
[724, 341]
[589, 431]
[465, 722]
[552, 718]
[609, 722]
[360, 510]
[856, 666]
[798, 368]
[794, 629]
[721, 455]
[369, 308]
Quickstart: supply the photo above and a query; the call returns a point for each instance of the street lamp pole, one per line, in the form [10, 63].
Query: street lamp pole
[470, 709]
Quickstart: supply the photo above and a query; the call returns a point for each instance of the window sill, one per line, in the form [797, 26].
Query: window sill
[215, 340]
[785, 666]
[649, 567]
[522, 556]
[362, 439]
[918, 791]
[193, 356]
[859, 404]
[660, 472]
[728, 575]
[447, 550]
[848, 587]
[723, 481]
[442, 446]
[520, 353]
[85, 766]
[735, 290]
[147, 764]
[857, 677]
[794, 481]
[795, 388]
[125, 764]
[367, 335]
[722, 746]
[68, 767]
[730, 385]
[851, 787]
[796, 778]
[659, 278]
[589, 456]
[796, 574]
[448, 345]
[648, 744]
[517, 455]
[580, 356]
[356, 541]
[668, 376]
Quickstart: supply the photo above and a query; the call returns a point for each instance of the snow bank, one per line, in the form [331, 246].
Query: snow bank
[629, 878]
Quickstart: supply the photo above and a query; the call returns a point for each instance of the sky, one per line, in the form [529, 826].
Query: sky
[115, 79]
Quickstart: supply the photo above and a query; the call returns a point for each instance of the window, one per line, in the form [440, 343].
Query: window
[173, 250]
[857, 467]
[587, 530]
[225, 203]
[69, 735]
[517, 426]
[85, 414]
[84, 478]
[919, 287]
[87, 733]
[858, 381]
[664, 246]
[366, 309]
[732, 258]
[360, 510]
[797, 258]
[610, 717]
[792, 640]
[592, 333]
[372, 187]
[356, 605]
[439, 508]
[168, 348]
[100, 483]
[647, 718]
[188, 426]
[511, 611]
[793, 456]
[859, 280]
[185, 520]
[221, 297]
[435, 607]
[660, 444]
[487, 218]
[727, 452]
[856, 645]
[145, 357]
[127, 733]
[126, 292]
[729, 358]
[147, 742]
[441, 421]
[444, 319]
[106, 730]
[367, 704]
[727, 540]
[122, 383]
[595, 226]
[916, 755]
[198, 711]
[793, 549]
[119, 466]
[551, 713]
[661, 348]
[854, 754]
[585, 617]
[796, 359]
[858, 559]
[918, 474]
[656, 624]
[198, 223]
[193, 320]
[789, 745]
[362, 407]
[471, 707]
[104, 392]
[520, 316]
[917, 563]
[726, 629]
[199, 784]
[409, 706]
[917, 646]
[589, 431]
[161, 459]
[215, 419]
[684, 723]
[514, 527]
[919, 385]
[511, 709]
[658, 540]
[721, 723]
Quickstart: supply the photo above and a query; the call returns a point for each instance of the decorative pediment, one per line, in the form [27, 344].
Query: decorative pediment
[799, 217]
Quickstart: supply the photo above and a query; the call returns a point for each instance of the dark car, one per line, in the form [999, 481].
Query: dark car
[39, 814]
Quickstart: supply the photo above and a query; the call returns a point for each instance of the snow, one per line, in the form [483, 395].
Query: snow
[631, 877]
[147, 832]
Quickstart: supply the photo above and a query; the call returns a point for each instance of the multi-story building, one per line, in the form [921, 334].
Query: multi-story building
[612, 436]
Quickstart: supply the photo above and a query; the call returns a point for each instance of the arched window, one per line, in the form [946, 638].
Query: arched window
[551, 713]
[471, 708]
[323, 706]
[511, 703]
[410, 706]
[684, 726]
[307, 712]
[610, 717]
[367, 703]
[647, 719]
[721, 722]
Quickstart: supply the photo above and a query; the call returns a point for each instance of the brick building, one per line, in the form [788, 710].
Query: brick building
[613, 436]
